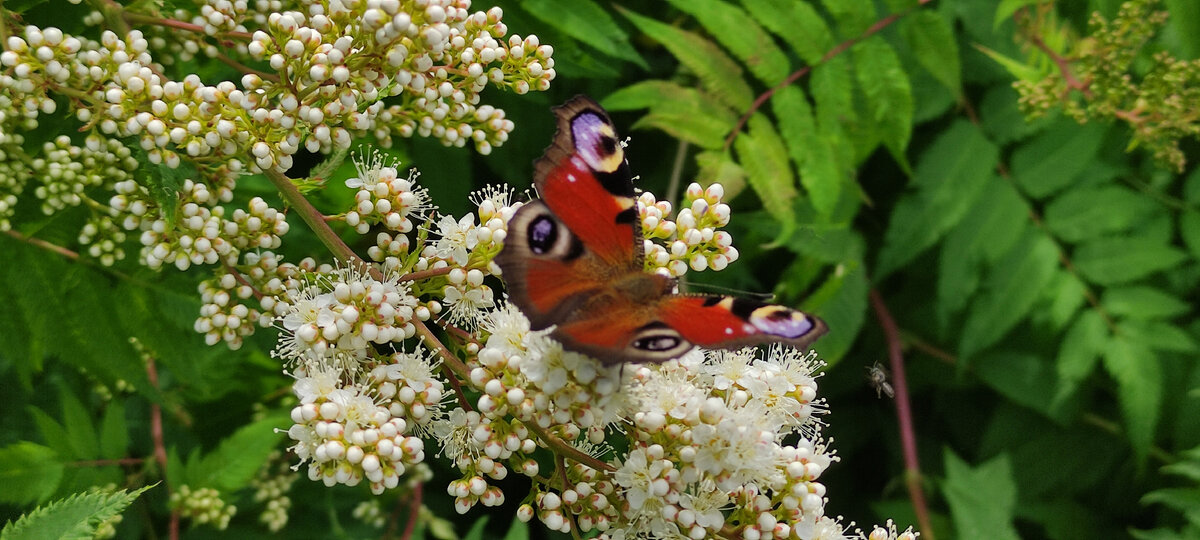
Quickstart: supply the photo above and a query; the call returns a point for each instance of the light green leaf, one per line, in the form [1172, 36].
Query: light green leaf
[718, 73]
[738, 32]
[1088, 212]
[719, 167]
[989, 229]
[761, 153]
[1054, 158]
[1081, 348]
[589, 23]
[932, 41]
[684, 113]
[812, 155]
[949, 177]
[798, 23]
[114, 434]
[1019, 70]
[1138, 374]
[1159, 335]
[1008, 292]
[235, 461]
[691, 125]
[1111, 261]
[982, 500]
[1143, 302]
[853, 16]
[833, 91]
[73, 518]
[888, 92]
[519, 530]
[29, 473]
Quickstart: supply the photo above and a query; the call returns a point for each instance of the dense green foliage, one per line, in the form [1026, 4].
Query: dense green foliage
[1043, 273]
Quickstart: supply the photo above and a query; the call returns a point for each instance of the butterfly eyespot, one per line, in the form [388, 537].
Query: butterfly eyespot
[543, 233]
[659, 343]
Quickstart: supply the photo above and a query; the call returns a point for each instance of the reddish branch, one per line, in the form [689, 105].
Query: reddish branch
[160, 448]
[1064, 66]
[796, 75]
[908, 437]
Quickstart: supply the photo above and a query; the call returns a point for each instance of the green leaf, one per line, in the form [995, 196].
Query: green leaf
[989, 229]
[331, 163]
[81, 429]
[114, 434]
[842, 303]
[798, 23]
[684, 113]
[1054, 158]
[949, 177]
[1159, 335]
[1189, 229]
[888, 92]
[1138, 374]
[519, 530]
[1019, 70]
[476, 532]
[1081, 348]
[982, 500]
[1088, 212]
[1185, 19]
[29, 473]
[235, 461]
[1143, 302]
[718, 73]
[589, 23]
[819, 173]
[1112, 261]
[75, 517]
[719, 167]
[761, 153]
[1023, 378]
[853, 16]
[1009, 292]
[738, 32]
[833, 91]
[932, 41]
[1007, 8]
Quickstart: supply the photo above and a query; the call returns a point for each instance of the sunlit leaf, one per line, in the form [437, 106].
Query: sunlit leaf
[888, 92]
[933, 43]
[588, 22]
[797, 23]
[29, 473]
[1111, 261]
[739, 33]
[1143, 302]
[819, 173]
[762, 154]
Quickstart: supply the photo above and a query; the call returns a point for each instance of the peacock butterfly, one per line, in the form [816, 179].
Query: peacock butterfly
[574, 259]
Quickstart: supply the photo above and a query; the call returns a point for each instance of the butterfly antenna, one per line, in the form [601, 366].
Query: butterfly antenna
[762, 297]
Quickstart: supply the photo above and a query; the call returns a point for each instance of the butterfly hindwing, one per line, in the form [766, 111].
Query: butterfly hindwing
[727, 322]
[584, 179]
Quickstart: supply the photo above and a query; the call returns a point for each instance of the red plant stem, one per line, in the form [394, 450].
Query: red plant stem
[908, 433]
[454, 368]
[160, 448]
[242, 279]
[413, 512]
[796, 75]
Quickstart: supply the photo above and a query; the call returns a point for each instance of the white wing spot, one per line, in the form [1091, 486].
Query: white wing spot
[749, 329]
[728, 331]
[570, 178]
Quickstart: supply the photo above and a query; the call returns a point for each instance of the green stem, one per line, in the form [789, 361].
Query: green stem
[313, 218]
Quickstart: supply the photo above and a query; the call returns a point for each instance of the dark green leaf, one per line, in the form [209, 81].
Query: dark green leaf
[1111, 261]
[1182, 499]
[1081, 348]
[1159, 335]
[73, 518]
[853, 16]
[932, 41]
[29, 473]
[114, 434]
[1064, 294]
[80, 426]
[588, 22]
[949, 177]
[1023, 378]
[1138, 374]
[1054, 158]
[761, 153]
[982, 500]
[719, 74]
[476, 532]
[798, 23]
[1008, 292]
[1143, 303]
[738, 32]
[1002, 118]
[989, 229]
[842, 303]
[812, 155]
[1089, 212]
[1189, 229]
[1185, 19]
[235, 461]
[888, 92]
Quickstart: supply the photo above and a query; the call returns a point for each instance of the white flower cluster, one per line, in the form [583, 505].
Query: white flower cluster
[226, 313]
[385, 198]
[67, 170]
[203, 505]
[692, 239]
[337, 316]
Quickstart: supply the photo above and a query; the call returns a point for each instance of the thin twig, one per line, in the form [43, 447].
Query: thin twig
[423, 274]
[107, 462]
[160, 448]
[454, 368]
[796, 75]
[562, 447]
[908, 434]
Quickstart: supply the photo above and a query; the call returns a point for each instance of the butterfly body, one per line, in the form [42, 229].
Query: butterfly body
[574, 260]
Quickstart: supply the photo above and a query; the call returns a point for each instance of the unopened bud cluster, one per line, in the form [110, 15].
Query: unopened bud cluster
[271, 486]
[203, 506]
[692, 239]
